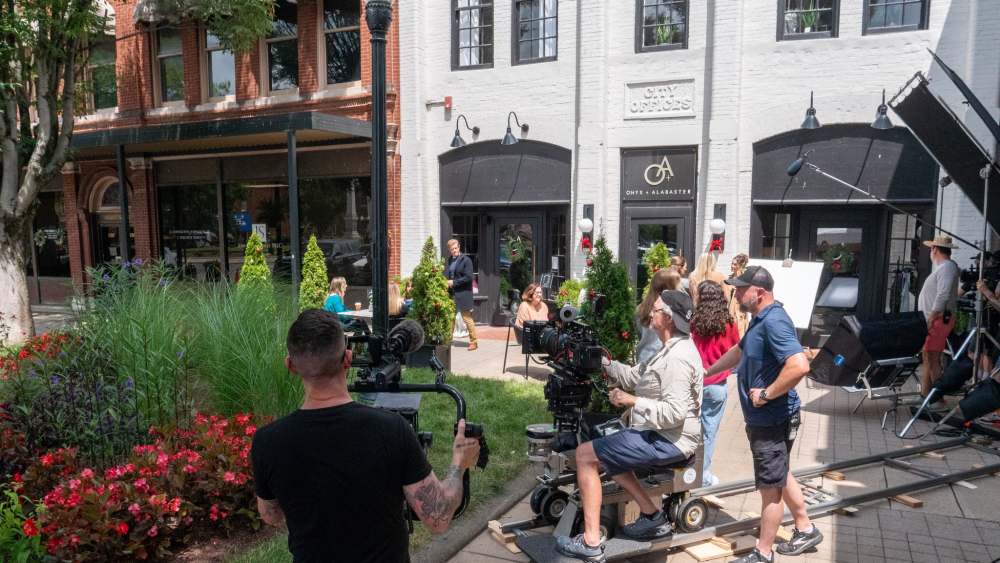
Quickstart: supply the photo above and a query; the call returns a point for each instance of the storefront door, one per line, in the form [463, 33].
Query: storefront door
[107, 240]
[646, 233]
[846, 244]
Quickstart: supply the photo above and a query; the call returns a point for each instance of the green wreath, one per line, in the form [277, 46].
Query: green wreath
[840, 251]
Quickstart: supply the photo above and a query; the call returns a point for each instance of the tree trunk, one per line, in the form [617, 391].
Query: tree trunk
[16, 323]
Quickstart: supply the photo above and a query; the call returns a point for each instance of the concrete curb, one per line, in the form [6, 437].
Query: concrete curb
[471, 524]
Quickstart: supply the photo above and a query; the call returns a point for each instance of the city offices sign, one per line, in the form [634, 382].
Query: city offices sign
[661, 174]
[656, 100]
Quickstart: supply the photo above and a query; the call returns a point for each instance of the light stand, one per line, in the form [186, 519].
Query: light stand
[378, 15]
[980, 330]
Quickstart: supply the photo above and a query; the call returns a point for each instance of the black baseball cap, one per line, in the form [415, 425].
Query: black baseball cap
[680, 306]
[753, 275]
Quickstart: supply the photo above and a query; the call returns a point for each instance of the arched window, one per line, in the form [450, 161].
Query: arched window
[106, 198]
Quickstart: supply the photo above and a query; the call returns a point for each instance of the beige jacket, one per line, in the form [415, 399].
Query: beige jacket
[669, 389]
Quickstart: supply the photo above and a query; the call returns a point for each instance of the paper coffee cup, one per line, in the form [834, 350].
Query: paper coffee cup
[357, 306]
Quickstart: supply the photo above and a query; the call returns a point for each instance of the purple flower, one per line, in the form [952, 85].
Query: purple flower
[42, 364]
[128, 383]
[62, 353]
[178, 354]
[125, 265]
[55, 379]
[163, 282]
[31, 373]
[107, 277]
[138, 260]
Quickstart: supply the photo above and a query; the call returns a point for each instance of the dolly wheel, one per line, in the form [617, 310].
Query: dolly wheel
[536, 498]
[670, 505]
[692, 514]
[553, 506]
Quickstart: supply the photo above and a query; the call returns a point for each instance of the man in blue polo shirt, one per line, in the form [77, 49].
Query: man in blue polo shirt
[771, 363]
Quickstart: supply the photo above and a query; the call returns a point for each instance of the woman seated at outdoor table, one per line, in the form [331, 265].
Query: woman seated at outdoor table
[335, 304]
[532, 306]
[397, 306]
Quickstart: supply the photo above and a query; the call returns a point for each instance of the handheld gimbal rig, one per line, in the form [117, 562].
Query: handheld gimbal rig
[379, 370]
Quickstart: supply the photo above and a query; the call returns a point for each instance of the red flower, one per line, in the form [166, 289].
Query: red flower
[625, 335]
[251, 430]
[30, 528]
[121, 528]
[48, 460]
[17, 477]
[592, 293]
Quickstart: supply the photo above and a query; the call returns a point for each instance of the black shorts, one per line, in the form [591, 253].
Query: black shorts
[770, 447]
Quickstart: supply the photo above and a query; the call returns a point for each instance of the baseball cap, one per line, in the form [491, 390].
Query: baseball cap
[680, 306]
[753, 275]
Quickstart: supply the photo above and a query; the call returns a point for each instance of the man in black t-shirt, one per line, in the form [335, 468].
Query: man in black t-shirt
[338, 472]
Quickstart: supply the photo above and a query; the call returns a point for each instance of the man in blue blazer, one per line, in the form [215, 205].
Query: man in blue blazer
[459, 271]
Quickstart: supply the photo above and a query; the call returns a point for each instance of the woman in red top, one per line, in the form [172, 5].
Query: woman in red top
[714, 332]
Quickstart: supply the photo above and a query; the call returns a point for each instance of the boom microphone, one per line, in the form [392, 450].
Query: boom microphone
[796, 166]
[407, 337]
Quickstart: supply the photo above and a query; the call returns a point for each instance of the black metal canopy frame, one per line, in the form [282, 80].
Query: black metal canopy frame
[237, 133]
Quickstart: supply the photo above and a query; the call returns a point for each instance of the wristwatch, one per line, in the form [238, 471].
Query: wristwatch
[763, 395]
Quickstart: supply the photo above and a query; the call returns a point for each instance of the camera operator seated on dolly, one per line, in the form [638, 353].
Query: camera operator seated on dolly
[664, 428]
[339, 472]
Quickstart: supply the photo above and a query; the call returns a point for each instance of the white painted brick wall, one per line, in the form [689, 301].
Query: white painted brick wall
[759, 88]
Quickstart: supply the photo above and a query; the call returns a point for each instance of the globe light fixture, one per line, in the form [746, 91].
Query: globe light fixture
[586, 225]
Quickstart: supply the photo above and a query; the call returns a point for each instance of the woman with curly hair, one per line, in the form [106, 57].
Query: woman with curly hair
[714, 332]
[742, 319]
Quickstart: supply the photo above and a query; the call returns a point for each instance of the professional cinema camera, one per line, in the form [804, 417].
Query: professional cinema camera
[379, 370]
[574, 353]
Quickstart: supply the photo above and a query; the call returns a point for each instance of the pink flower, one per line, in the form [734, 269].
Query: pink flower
[134, 509]
[152, 532]
[73, 484]
[87, 474]
[213, 513]
[251, 430]
[229, 477]
[189, 468]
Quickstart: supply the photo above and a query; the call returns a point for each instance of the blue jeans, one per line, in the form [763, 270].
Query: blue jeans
[713, 404]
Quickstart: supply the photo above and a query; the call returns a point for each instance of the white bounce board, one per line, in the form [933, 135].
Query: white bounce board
[795, 287]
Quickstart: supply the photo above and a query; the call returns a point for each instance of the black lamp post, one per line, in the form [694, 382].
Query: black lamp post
[810, 122]
[458, 141]
[378, 15]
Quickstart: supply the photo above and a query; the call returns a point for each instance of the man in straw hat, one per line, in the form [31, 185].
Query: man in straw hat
[937, 302]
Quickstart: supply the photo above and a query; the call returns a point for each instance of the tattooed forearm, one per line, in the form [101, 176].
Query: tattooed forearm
[270, 511]
[438, 501]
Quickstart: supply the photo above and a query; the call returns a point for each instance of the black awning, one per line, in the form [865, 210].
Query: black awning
[890, 164]
[310, 126]
[488, 173]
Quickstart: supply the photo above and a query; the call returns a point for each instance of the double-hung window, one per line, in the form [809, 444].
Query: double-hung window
[103, 78]
[807, 19]
[220, 69]
[661, 25]
[342, 40]
[282, 44]
[535, 31]
[886, 16]
[472, 34]
[170, 60]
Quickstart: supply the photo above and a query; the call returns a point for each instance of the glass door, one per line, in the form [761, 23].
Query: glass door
[850, 277]
[644, 235]
[516, 249]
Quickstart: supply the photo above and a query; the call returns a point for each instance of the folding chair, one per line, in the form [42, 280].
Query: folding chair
[952, 381]
[518, 337]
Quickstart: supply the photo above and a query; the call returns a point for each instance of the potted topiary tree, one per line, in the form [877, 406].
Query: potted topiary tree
[312, 290]
[255, 276]
[656, 257]
[432, 307]
[608, 277]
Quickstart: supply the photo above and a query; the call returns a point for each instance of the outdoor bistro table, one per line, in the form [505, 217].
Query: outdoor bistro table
[364, 315]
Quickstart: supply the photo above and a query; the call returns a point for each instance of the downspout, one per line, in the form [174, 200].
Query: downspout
[575, 202]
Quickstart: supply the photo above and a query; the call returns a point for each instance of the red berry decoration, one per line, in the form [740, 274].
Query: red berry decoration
[590, 262]
[437, 305]
[258, 250]
[625, 335]
[656, 268]
[591, 293]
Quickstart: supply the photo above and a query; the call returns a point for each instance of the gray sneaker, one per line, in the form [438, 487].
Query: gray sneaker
[646, 528]
[800, 542]
[576, 548]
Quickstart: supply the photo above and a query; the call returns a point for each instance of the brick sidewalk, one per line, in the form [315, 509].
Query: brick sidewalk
[955, 524]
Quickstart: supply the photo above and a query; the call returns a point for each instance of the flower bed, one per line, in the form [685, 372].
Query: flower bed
[187, 478]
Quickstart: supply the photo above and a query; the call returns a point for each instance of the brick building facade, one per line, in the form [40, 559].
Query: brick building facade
[165, 84]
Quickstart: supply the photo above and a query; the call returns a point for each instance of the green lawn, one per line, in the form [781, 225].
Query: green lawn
[505, 407]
